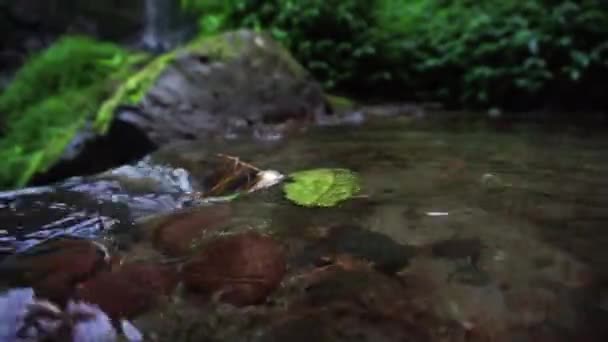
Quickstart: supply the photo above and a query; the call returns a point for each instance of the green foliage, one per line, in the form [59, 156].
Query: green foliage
[321, 187]
[330, 38]
[471, 53]
[50, 98]
[491, 53]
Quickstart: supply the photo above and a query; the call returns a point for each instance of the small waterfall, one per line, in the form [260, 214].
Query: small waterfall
[164, 25]
[155, 24]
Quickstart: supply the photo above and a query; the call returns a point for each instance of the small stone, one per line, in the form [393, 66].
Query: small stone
[241, 269]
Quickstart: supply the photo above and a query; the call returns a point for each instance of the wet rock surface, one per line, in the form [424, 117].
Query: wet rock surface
[130, 289]
[54, 269]
[242, 269]
[91, 206]
[178, 234]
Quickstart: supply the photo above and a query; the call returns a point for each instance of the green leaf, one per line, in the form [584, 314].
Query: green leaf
[321, 187]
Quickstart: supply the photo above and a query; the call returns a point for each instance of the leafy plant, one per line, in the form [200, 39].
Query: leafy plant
[463, 53]
[321, 187]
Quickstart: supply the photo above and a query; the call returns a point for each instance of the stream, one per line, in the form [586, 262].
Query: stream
[460, 233]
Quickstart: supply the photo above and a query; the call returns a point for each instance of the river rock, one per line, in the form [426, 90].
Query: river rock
[130, 290]
[177, 234]
[242, 269]
[54, 268]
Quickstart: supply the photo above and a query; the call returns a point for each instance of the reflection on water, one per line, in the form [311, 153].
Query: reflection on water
[490, 236]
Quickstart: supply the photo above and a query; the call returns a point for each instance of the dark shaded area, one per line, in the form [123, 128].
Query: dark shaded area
[122, 144]
[387, 255]
[28, 26]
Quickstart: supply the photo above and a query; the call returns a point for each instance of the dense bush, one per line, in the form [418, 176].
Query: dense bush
[49, 100]
[518, 54]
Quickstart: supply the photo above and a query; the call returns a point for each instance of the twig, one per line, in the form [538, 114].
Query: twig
[237, 161]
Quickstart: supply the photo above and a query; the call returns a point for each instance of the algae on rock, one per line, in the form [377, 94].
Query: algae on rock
[238, 82]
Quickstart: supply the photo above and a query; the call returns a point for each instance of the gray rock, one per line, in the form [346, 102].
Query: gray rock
[240, 82]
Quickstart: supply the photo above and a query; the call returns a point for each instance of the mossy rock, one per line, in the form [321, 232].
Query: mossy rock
[222, 83]
[213, 84]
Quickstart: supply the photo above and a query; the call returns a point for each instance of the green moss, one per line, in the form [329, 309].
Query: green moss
[51, 97]
[131, 91]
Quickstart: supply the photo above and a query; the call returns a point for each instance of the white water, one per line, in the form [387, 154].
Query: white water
[157, 16]
[164, 26]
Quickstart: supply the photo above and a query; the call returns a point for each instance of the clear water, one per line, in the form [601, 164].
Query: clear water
[525, 213]
[536, 202]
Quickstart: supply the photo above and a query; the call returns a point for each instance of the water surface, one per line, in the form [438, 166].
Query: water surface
[499, 231]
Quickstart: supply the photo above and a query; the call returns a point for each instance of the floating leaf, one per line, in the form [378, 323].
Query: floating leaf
[321, 187]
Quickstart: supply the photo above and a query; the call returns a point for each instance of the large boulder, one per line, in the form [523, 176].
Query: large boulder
[236, 82]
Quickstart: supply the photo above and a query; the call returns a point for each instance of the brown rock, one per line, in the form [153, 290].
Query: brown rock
[177, 234]
[130, 290]
[241, 269]
[55, 267]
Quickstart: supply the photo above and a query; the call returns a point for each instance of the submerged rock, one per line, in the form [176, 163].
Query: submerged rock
[177, 234]
[130, 290]
[242, 269]
[380, 250]
[54, 268]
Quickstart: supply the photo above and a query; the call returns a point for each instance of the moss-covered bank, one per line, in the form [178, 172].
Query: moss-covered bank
[80, 79]
[51, 97]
